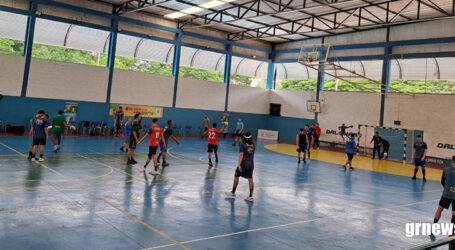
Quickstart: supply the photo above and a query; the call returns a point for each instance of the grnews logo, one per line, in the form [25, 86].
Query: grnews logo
[427, 229]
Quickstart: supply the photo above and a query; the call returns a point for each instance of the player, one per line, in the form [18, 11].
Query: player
[317, 135]
[168, 134]
[205, 125]
[376, 139]
[127, 133]
[302, 144]
[118, 120]
[39, 114]
[309, 135]
[156, 134]
[350, 151]
[448, 195]
[245, 166]
[418, 154]
[134, 138]
[238, 132]
[385, 148]
[58, 128]
[40, 135]
[212, 141]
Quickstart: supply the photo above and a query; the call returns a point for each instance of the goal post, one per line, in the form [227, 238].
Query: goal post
[397, 137]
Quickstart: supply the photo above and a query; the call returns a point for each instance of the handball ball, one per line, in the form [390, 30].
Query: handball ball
[385, 154]
[226, 123]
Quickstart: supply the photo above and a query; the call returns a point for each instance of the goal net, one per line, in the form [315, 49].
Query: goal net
[400, 141]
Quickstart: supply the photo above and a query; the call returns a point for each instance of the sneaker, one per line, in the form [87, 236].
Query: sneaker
[304, 161]
[134, 161]
[29, 157]
[129, 162]
[414, 177]
[298, 161]
[41, 159]
[34, 159]
[351, 168]
[210, 164]
[250, 199]
[424, 179]
[158, 160]
[309, 154]
[154, 172]
[121, 149]
[55, 150]
[344, 167]
[229, 195]
[165, 164]
[216, 160]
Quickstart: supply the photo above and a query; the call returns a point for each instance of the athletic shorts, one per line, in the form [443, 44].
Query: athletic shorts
[302, 148]
[212, 148]
[238, 133]
[152, 150]
[350, 156]
[418, 162]
[127, 140]
[246, 173]
[132, 143]
[445, 203]
[162, 149]
[37, 141]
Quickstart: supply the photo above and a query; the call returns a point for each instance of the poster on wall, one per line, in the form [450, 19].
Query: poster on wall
[70, 112]
[131, 110]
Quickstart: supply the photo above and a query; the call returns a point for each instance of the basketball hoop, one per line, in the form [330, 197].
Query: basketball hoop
[310, 59]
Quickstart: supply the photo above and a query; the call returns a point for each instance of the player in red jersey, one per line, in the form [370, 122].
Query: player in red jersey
[156, 134]
[212, 135]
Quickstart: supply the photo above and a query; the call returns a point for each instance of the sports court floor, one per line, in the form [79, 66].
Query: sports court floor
[86, 198]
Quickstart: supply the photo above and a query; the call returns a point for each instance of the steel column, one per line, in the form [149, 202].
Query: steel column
[28, 45]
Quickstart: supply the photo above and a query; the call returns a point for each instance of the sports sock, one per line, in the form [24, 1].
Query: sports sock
[30, 153]
[156, 168]
[210, 159]
[55, 147]
[159, 156]
[146, 163]
[40, 156]
[233, 190]
[33, 155]
[251, 192]
[164, 160]
[436, 220]
[423, 172]
[415, 171]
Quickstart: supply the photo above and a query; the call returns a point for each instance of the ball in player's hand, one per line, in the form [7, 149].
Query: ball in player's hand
[385, 154]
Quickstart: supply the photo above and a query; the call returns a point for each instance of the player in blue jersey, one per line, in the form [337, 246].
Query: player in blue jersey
[350, 151]
[418, 154]
[448, 195]
[302, 144]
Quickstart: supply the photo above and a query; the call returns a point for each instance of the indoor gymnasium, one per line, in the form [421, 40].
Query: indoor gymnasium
[227, 124]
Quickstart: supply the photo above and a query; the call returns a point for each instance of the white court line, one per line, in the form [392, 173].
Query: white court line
[117, 159]
[131, 216]
[291, 224]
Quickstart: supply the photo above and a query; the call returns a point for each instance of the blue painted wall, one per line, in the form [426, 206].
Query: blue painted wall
[19, 110]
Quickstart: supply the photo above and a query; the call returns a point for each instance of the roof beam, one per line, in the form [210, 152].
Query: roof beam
[136, 5]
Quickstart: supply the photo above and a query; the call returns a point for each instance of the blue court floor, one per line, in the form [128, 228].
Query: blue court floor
[85, 197]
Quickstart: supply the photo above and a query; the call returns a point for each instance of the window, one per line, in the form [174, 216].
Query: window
[12, 33]
[427, 75]
[143, 55]
[248, 72]
[201, 65]
[70, 43]
[353, 76]
[295, 76]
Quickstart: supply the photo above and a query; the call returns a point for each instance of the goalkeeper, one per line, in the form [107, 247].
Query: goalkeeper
[385, 148]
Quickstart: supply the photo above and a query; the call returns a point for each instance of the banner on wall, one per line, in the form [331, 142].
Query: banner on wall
[131, 110]
[70, 112]
[267, 134]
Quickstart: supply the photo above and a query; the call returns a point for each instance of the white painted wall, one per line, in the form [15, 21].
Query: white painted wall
[197, 94]
[434, 114]
[11, 74]
[351, 108]
[293, 103]
[249, 100]
[139, 88]
[68, 81]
